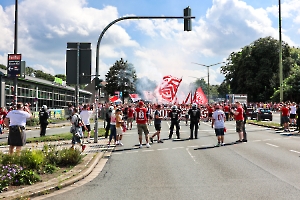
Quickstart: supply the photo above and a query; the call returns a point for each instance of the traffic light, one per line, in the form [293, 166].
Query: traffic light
[98, 83]
[187, 13]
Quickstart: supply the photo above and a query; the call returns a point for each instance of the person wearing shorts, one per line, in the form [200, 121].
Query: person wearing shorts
[130, 117]
[239, 118]
[285, 117]
[85, 115]
[218, 119]
[16, 121]
[141, 121]
[157, 124]
[119, 129]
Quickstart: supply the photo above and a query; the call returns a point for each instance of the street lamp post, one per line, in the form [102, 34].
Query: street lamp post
[208, 66]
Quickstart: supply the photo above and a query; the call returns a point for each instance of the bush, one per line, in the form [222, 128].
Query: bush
[32, 159]
[51, 154]
[26, 177]
[7, 175]
[32, 122]
[69, 157]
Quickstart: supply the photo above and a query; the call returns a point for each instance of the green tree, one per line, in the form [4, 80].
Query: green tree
[29, 71]
[254, 70]
[199, 83]
[3, 67]
[121, 77]
[224, 89]
[62, 76]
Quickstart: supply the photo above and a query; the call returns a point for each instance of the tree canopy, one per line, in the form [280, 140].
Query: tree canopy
[121, 77]
[255, 69]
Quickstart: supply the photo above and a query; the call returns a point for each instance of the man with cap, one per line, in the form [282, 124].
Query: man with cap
[43, 118]
[195, 115]
[141, 121]
[239, 118]
[218, 119]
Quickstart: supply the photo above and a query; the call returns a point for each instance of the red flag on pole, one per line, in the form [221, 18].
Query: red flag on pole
[187, 98]
[134, 97]
[169, 87]
[200, 97]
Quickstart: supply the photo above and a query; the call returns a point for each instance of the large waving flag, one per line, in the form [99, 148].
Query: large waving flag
[134, 97]
[169, 87]
[200, 97]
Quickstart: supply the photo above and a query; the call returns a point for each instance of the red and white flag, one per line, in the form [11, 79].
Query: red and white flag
[200, 97]
[169, 87]
[113, 99]
[187, 98]
[134, 97]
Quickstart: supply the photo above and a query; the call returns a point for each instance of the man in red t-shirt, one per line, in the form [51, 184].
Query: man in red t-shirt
[285, 117]
[141, 121]
[239, 118]
[226, 111]
[130, 117]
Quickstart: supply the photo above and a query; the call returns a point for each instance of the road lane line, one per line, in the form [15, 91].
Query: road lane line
[205, 145]
[192, 146]
[193, 157]
[163, 149]
[132, 152]
[277, 139]
[267, 139]
[148, 150]
[272, 145]
[256, 141]
[178, 148]
[294, 151]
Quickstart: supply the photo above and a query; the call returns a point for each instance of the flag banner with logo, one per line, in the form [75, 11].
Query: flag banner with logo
[168, 88]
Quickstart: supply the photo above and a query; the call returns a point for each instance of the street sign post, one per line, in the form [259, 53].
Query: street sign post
[14, 65]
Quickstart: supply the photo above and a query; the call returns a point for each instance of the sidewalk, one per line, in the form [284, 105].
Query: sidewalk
[94, 152]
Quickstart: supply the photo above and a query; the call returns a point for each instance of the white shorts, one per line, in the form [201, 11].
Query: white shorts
[119, 131]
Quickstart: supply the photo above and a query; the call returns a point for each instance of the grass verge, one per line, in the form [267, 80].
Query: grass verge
[58, 137]
[268, 124]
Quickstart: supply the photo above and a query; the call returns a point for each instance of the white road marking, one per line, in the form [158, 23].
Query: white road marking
[163, 149]
[267, 139]
[277, 139]
[132, 152]
[193, 157]
[117, 153]
[148, 150]
[256, 140]
[192, 146]
[272, 145]
[295, 151]
[178, 148]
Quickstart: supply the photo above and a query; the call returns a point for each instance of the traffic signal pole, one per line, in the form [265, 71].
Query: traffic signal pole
[187, 27]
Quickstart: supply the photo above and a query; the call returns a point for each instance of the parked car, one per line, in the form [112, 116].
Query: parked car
[249, 112]
[262, 114]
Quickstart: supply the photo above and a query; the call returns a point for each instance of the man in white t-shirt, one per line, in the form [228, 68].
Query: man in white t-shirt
[16, 121]
[218, 119]
[85, 116]
[293, 114]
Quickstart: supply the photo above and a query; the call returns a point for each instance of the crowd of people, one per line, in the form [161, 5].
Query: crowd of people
[120, 117]
[216, 113]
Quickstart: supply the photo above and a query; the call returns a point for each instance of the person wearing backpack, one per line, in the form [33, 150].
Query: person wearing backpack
[77, 125]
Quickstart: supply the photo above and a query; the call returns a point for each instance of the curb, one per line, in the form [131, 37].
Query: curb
[54, 184]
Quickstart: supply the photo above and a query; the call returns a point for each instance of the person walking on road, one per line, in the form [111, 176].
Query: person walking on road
[85, 115]
[130, 117]
[113, 130]
[77, 125]
[43, 118]
[16, 121]
[141, 121]
[218, 119]
[157, 124]
[298, 118]
[285, 117]
[107, 119]
[238, 113]
[174, 115]
[195, 115]
[119, 126]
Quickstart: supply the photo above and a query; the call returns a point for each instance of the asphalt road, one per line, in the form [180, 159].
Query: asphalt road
[263, 168]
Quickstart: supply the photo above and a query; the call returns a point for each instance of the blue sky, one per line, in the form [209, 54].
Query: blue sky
[155, 47]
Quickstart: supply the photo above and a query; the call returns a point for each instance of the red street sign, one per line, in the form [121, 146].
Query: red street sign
[14, 65]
